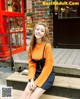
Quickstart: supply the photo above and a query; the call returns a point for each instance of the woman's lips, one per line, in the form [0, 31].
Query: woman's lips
[38, 34]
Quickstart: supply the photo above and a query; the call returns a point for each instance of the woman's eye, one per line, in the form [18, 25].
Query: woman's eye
[37, 29]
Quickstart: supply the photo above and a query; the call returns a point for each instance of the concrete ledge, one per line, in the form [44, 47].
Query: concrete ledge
[59, 68]
[18, 63]
[67, 70]
[21, 61]
[5, 64]
[60, 81]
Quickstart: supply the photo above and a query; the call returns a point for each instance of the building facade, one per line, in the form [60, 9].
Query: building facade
[63, 22]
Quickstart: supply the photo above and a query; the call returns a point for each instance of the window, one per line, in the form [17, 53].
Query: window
[13, 5]
[68, 11]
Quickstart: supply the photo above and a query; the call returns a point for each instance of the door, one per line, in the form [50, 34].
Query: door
[67, 27]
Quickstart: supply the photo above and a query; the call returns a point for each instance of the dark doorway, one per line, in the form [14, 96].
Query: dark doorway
[67, 27]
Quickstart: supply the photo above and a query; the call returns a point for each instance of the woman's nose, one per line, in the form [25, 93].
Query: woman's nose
[39, 31]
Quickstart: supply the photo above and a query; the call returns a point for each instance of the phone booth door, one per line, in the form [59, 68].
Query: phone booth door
[12, 27]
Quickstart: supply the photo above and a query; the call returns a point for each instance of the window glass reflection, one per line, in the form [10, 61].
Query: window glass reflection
[68, 11]
[17, 39]
[10, 5]
[17, 23]
[21, 24]
[11, 24]
[13, 39]
[13, 5]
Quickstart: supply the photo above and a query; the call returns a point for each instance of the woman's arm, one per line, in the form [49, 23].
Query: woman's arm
[31, 67]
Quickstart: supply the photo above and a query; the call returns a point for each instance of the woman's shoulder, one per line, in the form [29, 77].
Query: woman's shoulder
[48, 45]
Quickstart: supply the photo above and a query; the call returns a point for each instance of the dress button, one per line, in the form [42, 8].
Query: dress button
[40, 67]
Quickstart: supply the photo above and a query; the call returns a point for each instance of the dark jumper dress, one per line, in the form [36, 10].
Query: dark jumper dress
[39, 66]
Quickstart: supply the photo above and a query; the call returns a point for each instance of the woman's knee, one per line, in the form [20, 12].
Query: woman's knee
[34, 96]
[27, 91]
[37, 93]
[26, 94]
[31, 97]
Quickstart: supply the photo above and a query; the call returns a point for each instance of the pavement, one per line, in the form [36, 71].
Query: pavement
[4, 73]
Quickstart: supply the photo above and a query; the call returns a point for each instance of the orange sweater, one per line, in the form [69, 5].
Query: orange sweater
[37, 54]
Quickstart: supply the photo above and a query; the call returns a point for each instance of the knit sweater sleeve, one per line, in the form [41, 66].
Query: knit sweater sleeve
[31, 67]
[47, 67]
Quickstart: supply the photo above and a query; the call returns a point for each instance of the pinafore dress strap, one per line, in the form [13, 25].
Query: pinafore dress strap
[44, 50]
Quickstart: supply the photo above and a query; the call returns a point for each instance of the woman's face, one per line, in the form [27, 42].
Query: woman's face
[39, 31]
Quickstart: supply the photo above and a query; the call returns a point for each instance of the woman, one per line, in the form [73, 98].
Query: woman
[41, 73]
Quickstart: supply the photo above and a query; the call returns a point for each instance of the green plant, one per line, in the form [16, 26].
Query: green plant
[29, 13]
[50, 11]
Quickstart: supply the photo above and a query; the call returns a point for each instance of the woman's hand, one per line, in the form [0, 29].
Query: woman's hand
[32, 85]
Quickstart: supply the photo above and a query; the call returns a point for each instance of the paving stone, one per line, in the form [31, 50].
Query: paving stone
[4, 73]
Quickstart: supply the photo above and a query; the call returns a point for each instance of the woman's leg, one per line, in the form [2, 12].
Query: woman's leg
[37, 93]
[26, 93]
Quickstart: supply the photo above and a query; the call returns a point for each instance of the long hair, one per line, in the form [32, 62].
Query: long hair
[45, 38]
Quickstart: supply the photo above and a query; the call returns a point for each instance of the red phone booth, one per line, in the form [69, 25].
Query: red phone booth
[12, 27]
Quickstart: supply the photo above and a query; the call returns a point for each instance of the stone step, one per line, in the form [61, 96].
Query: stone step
[4, 63]
[59, 68]
[60, 81]
[63, 86]
[17, 94]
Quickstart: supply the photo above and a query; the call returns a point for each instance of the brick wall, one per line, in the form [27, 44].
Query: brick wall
[39, 12]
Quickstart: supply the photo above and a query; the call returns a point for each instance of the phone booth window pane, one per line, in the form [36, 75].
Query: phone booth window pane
[21, 24]
[15, 5]
[19, 39]
[9, 2]
[11, 24]
[12, 5]
[17, 23]
[13, 40]
[20, 5]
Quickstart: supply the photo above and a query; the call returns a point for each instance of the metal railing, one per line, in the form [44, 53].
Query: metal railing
[10, 48]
